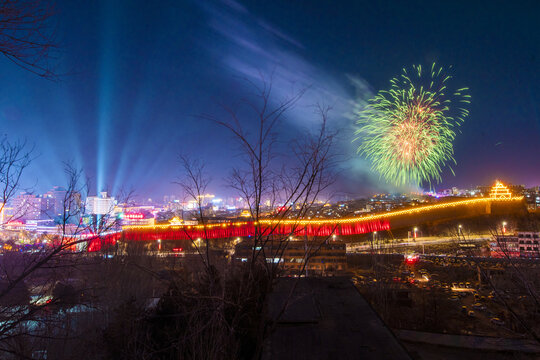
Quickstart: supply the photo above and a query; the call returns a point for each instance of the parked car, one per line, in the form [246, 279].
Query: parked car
[479, 306]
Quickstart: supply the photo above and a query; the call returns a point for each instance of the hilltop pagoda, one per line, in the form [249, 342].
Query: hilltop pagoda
[499, 191]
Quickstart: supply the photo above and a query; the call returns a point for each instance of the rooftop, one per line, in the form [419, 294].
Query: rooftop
[327, 318]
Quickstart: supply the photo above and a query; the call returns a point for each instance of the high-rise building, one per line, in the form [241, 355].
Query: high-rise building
[169, 199]
[27, 207]
[59, 195]
[47, 206]
[52, 204]
[100, 205]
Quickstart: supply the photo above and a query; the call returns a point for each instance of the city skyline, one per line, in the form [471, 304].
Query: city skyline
[50, 203]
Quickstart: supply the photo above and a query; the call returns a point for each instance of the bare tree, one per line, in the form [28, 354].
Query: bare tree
[14, 159]
[292, 177]
[194, 184]
[25, 35]
[223, 309]
[508, 276]
[37, 285]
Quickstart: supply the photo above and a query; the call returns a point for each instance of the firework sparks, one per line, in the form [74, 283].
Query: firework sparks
[407, 132]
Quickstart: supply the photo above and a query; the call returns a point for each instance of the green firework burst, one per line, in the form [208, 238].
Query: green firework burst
[406, 132]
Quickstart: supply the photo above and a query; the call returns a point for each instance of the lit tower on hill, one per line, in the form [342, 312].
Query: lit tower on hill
[499, 191]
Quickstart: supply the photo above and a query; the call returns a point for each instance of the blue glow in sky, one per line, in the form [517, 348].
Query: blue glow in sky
[107, 82]
[137, 74]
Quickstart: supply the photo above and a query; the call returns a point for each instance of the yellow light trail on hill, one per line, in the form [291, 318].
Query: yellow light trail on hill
[393, 213]
[302, 222]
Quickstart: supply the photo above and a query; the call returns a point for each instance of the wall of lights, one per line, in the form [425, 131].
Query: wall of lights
[294, 227]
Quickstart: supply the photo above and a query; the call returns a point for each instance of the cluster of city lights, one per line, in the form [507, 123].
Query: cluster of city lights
[195, 227]
[390, 213]
[319, 222]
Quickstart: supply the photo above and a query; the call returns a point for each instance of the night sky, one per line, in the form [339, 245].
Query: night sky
[135, 75]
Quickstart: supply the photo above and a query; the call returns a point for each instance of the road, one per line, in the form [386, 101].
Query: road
[426, 240]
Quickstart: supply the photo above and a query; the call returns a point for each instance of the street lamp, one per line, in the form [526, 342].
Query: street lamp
[159, 244]
[415, 230]
[460, 231]
[504, 227]
[334, 237]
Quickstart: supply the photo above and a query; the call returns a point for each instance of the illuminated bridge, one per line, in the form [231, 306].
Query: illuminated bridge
[317, 227]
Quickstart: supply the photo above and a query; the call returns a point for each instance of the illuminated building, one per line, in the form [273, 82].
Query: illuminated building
[528, 244]
[176, 221]
[138, 218]
[52, 202]
[47, 206]
[6, 214]
[521, 244]
[169, 198]
[172, 203]
[499, 191]
[451, 192]
[58, 195]
[100, 205]
[206, 199]
[532, 196]
[27, 207]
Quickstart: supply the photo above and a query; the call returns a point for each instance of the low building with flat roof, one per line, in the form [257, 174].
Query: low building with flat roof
[321, 257]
